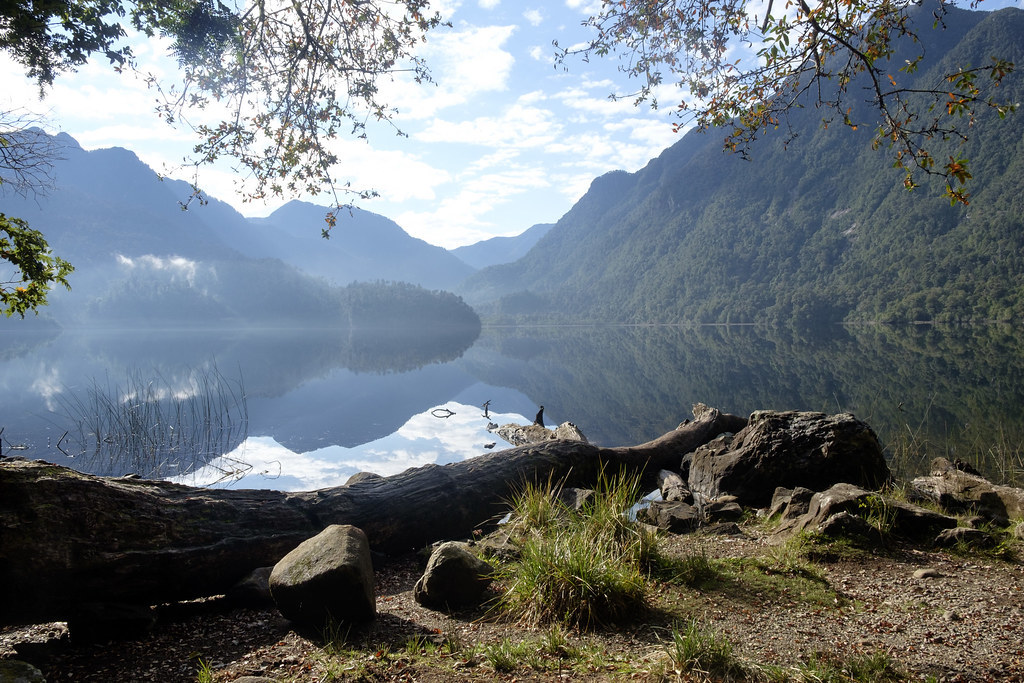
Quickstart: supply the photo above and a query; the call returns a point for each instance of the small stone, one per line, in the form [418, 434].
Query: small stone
[951, 615]
[927, 573]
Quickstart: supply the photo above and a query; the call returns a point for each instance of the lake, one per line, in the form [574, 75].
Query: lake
[305, 409]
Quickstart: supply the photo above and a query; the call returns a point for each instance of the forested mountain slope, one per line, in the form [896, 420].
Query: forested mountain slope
[819, 229]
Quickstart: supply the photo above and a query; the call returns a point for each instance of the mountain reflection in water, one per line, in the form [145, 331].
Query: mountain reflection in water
[319, 408]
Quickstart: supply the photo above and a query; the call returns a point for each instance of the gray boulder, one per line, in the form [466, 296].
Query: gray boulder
[788, 449]
[454, 577]
[902, 519]
[674, 516]
[327, 577]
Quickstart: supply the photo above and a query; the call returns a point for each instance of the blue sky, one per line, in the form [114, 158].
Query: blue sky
[504, 139]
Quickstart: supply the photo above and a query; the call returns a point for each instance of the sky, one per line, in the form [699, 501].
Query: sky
[502, 141]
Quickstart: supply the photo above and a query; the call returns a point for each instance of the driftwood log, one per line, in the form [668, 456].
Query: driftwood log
[69, 539]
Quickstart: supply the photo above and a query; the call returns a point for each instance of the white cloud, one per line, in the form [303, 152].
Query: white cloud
[424, 439]
[465, 64]
[581, 100]
[520, 125]
[48, 385]
[653, 134]
[462, 218]
[489, 4]
[587, 7]
[534, 16]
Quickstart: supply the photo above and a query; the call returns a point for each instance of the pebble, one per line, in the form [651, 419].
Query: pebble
[927, 573]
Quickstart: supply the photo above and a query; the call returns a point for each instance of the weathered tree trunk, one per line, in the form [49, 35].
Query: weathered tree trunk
[67, 539]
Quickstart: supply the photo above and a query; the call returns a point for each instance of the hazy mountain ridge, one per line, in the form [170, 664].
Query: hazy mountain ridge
[498, 250]
[820, 229]
[141, 259]
[363, 247]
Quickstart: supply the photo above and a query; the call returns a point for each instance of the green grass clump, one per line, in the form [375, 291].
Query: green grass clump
[506, 655]
[703, 655]
[867, 668]
[205, 673]
[580, 568]
[695, 570]
[552, 651]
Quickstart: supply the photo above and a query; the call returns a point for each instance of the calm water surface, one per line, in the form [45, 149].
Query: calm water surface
[296, 410]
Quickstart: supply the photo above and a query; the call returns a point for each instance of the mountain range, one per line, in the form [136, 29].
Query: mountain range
[815, 228]
[142, 259]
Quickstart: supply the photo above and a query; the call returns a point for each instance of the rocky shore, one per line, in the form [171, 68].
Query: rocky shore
[843, 574]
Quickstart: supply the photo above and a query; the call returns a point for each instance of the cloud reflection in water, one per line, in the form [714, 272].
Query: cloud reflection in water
[260, 462]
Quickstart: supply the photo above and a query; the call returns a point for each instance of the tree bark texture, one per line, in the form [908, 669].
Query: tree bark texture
[68, 539]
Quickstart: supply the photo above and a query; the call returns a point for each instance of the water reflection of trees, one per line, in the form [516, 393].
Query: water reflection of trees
[182, 413]
[951, 389]
[404, 349]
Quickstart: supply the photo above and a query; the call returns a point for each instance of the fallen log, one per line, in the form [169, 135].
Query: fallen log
[68, 539]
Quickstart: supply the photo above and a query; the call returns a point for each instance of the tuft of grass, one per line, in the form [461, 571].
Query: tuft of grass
[205, 673]
[157, 425]
[695, 570]
[506, 655]
[579, 568]
[554, 650]
[867, 668]
[876, 511]
[704, 655]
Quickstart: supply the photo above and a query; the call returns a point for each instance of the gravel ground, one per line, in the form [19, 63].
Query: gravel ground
[962, 621]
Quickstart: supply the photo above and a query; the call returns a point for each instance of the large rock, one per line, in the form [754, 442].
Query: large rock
[454, 577]
[522, 435]
[899, 518]
[327, 577]
[958, 490]
[788, 449]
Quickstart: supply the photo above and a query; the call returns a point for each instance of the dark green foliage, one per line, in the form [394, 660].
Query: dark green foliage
[37, 269]
[813, 230]
[402, 305]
